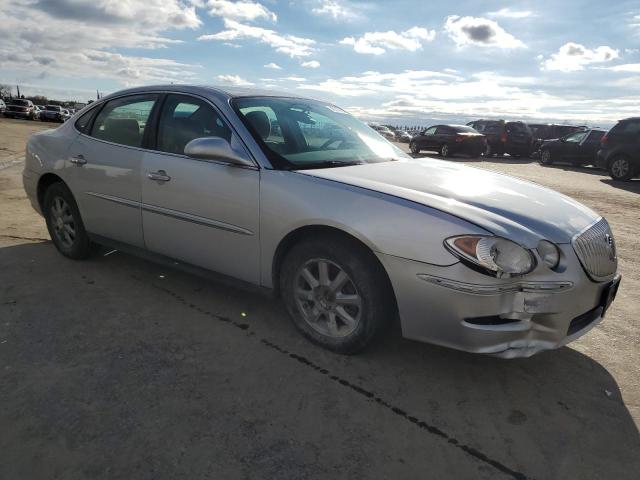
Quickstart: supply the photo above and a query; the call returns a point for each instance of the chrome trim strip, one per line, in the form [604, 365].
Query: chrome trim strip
[475, 289]
[111, 198]
[187, 217]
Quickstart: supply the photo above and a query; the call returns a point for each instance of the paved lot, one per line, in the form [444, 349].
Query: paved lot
[116, 368]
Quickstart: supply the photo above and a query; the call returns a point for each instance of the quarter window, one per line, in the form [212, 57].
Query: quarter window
[185, 118]
[575, 137]
[124, 120]
[83, 122]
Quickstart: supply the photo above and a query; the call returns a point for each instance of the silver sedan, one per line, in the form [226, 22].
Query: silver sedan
[298, 197]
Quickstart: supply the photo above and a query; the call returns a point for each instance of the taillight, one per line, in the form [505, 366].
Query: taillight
[503, 137]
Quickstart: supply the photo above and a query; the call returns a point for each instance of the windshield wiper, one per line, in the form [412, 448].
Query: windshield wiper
[324, 164]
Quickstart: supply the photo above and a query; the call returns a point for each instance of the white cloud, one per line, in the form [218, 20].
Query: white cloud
[372, 83]
[509, 13]
[273, 66]
[287, 44]
[234, 80]
[239, 10]
[627, 67]
[335, 10]
[377, 43]
[311, 64]
[479, 31]
[574, 56]
[295, 79]
[77, 39]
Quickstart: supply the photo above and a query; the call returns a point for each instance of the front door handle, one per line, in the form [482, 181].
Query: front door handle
[159, 176]
[78, 160]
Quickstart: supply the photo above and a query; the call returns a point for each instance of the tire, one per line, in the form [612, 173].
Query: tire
[415, 149]
[444, 151]
[620, 168]
[318, 312]
[65, 224]
[545, 157]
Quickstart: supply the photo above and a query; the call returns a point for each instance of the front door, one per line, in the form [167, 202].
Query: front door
[105, 166]
[205, 213]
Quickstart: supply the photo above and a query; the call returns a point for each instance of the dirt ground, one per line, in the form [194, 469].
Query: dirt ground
[117, 368]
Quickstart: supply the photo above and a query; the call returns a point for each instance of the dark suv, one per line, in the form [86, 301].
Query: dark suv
[514, 138]
[619, 150]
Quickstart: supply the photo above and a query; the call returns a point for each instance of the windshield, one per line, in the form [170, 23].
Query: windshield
[299, 133]
[53, 108]
[22, 103]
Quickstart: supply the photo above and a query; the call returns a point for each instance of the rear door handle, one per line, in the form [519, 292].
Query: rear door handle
[159, 176]
[78, 160]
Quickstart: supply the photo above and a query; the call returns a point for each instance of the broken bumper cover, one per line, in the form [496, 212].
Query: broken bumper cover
[457, 307]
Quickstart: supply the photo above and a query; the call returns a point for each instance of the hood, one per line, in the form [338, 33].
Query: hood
[506, 206]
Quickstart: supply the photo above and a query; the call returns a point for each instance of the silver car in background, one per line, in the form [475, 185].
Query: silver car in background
[297, 196]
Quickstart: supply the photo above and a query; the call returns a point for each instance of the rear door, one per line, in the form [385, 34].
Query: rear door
[518, 136]
[588, 148]
[106, 165]
[571, 146]
[203, 212]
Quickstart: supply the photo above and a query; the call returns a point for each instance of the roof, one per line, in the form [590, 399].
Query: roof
[218, 91]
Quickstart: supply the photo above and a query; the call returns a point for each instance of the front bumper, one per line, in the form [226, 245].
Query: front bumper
[14, 114]
[457, 307]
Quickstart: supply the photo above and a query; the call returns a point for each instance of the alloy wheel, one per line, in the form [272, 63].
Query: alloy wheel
[620, 168]
[444, 151]
[62, 221]
[327, 298]
[545, 157]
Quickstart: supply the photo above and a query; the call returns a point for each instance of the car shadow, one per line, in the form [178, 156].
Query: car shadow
[559, 414]
[588, 169]
[629, 186]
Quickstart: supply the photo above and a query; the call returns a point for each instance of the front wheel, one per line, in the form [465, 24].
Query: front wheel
[65, 224]
[545, 157]
[415, 149]
[621, 169]
[336, 293]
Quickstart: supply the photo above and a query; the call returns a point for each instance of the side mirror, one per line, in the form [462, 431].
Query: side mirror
[215, 148]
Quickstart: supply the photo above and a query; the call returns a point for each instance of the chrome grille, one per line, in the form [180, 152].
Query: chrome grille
[596, 250]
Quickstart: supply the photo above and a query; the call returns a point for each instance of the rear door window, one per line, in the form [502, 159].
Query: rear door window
[631, 127]
[124, 120]
[595, 136]
[186, 118]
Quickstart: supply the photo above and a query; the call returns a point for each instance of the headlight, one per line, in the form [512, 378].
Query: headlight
[549, 253]
[498, 255]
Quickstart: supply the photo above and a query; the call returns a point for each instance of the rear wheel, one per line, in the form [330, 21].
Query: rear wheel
[415, 149]
[444, 151]
[545, 157]
[335, 293]
[621, 168]
[64, 223]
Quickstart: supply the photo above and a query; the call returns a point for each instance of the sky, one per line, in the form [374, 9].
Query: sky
[397, 61]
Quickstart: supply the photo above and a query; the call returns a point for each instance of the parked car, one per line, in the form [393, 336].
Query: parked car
[578, 148]
[549, 131]
[449, 140]
[21, 108]
[3, 106]
[384, 131]
[619, 150]
[514, 138]
[351, 233]
[52, 113]
[38, 111]
[66, 115]
[402, 136]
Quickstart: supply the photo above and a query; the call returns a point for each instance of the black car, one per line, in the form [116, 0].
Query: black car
[619, 150]
[578, 148]
[550, 131]
[514, 138]
[448, 140]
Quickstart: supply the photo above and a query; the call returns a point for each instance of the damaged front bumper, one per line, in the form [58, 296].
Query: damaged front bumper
[460, 308]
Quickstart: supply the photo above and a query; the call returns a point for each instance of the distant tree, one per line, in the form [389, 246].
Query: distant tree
[5, 90]
[39, 99]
